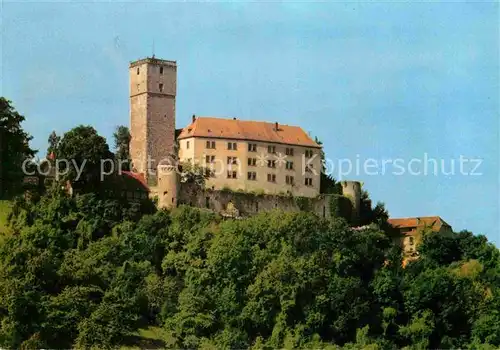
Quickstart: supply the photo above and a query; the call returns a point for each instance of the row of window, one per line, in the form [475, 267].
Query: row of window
[139, 71]
[252, 176]
[271, 163]
[252, 147]
[160, 87]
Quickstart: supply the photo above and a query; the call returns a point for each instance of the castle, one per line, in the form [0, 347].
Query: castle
[276, 163]
[254, 166]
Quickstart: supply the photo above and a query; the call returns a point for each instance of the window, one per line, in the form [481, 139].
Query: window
[252, 161]
[309, 181]
[290, 180]
[271, 163]
[271, 149]
[138, 71]
[232, 146]
[309, 153]
[252, 175]
[289, 151]
[187, 144]
[211, 144]
[252, 147]
[161, 70]
[161, 87]
[209, 159]
[232, 160]
[231, 175]
[289, 165]
[410, 240]
[271, 177]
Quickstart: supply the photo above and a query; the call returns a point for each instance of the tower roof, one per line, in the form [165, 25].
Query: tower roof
[153, 60]
[211, 127]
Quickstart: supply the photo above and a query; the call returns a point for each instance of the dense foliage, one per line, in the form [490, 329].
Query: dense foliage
[14, 149]
[122, 139]
[84, 158]
[88, 272]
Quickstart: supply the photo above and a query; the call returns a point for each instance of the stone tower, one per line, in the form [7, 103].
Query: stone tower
[168, 186]
[153, 87]
[352, 190]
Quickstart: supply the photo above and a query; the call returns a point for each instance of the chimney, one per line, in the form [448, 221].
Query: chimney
[194, 118]
[276, 127]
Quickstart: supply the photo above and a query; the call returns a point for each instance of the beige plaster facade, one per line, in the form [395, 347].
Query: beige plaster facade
[255, 166]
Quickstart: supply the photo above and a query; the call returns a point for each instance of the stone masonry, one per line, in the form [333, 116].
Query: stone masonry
[152, 113]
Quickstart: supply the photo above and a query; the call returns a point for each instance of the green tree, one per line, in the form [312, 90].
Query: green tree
[14, 149]
[53, 141]
[85, 155]
[84, 271]
[122, 139]
[328, 185]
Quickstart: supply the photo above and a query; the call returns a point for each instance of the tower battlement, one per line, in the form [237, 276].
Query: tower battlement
[153, 60]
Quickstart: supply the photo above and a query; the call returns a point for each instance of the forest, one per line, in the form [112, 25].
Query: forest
[91, 271]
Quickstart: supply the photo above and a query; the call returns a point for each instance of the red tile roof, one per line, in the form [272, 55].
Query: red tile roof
[137, 177]
[417, 222]
[211, 127]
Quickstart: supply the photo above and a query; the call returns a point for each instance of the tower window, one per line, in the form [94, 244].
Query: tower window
[187, 144]
[161, 70]
[138, 71]
[161, 87]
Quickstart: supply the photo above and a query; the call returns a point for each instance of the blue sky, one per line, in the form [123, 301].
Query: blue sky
[371, 80]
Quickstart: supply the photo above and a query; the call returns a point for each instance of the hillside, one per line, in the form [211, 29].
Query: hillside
[86, 272]
[5, 207]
